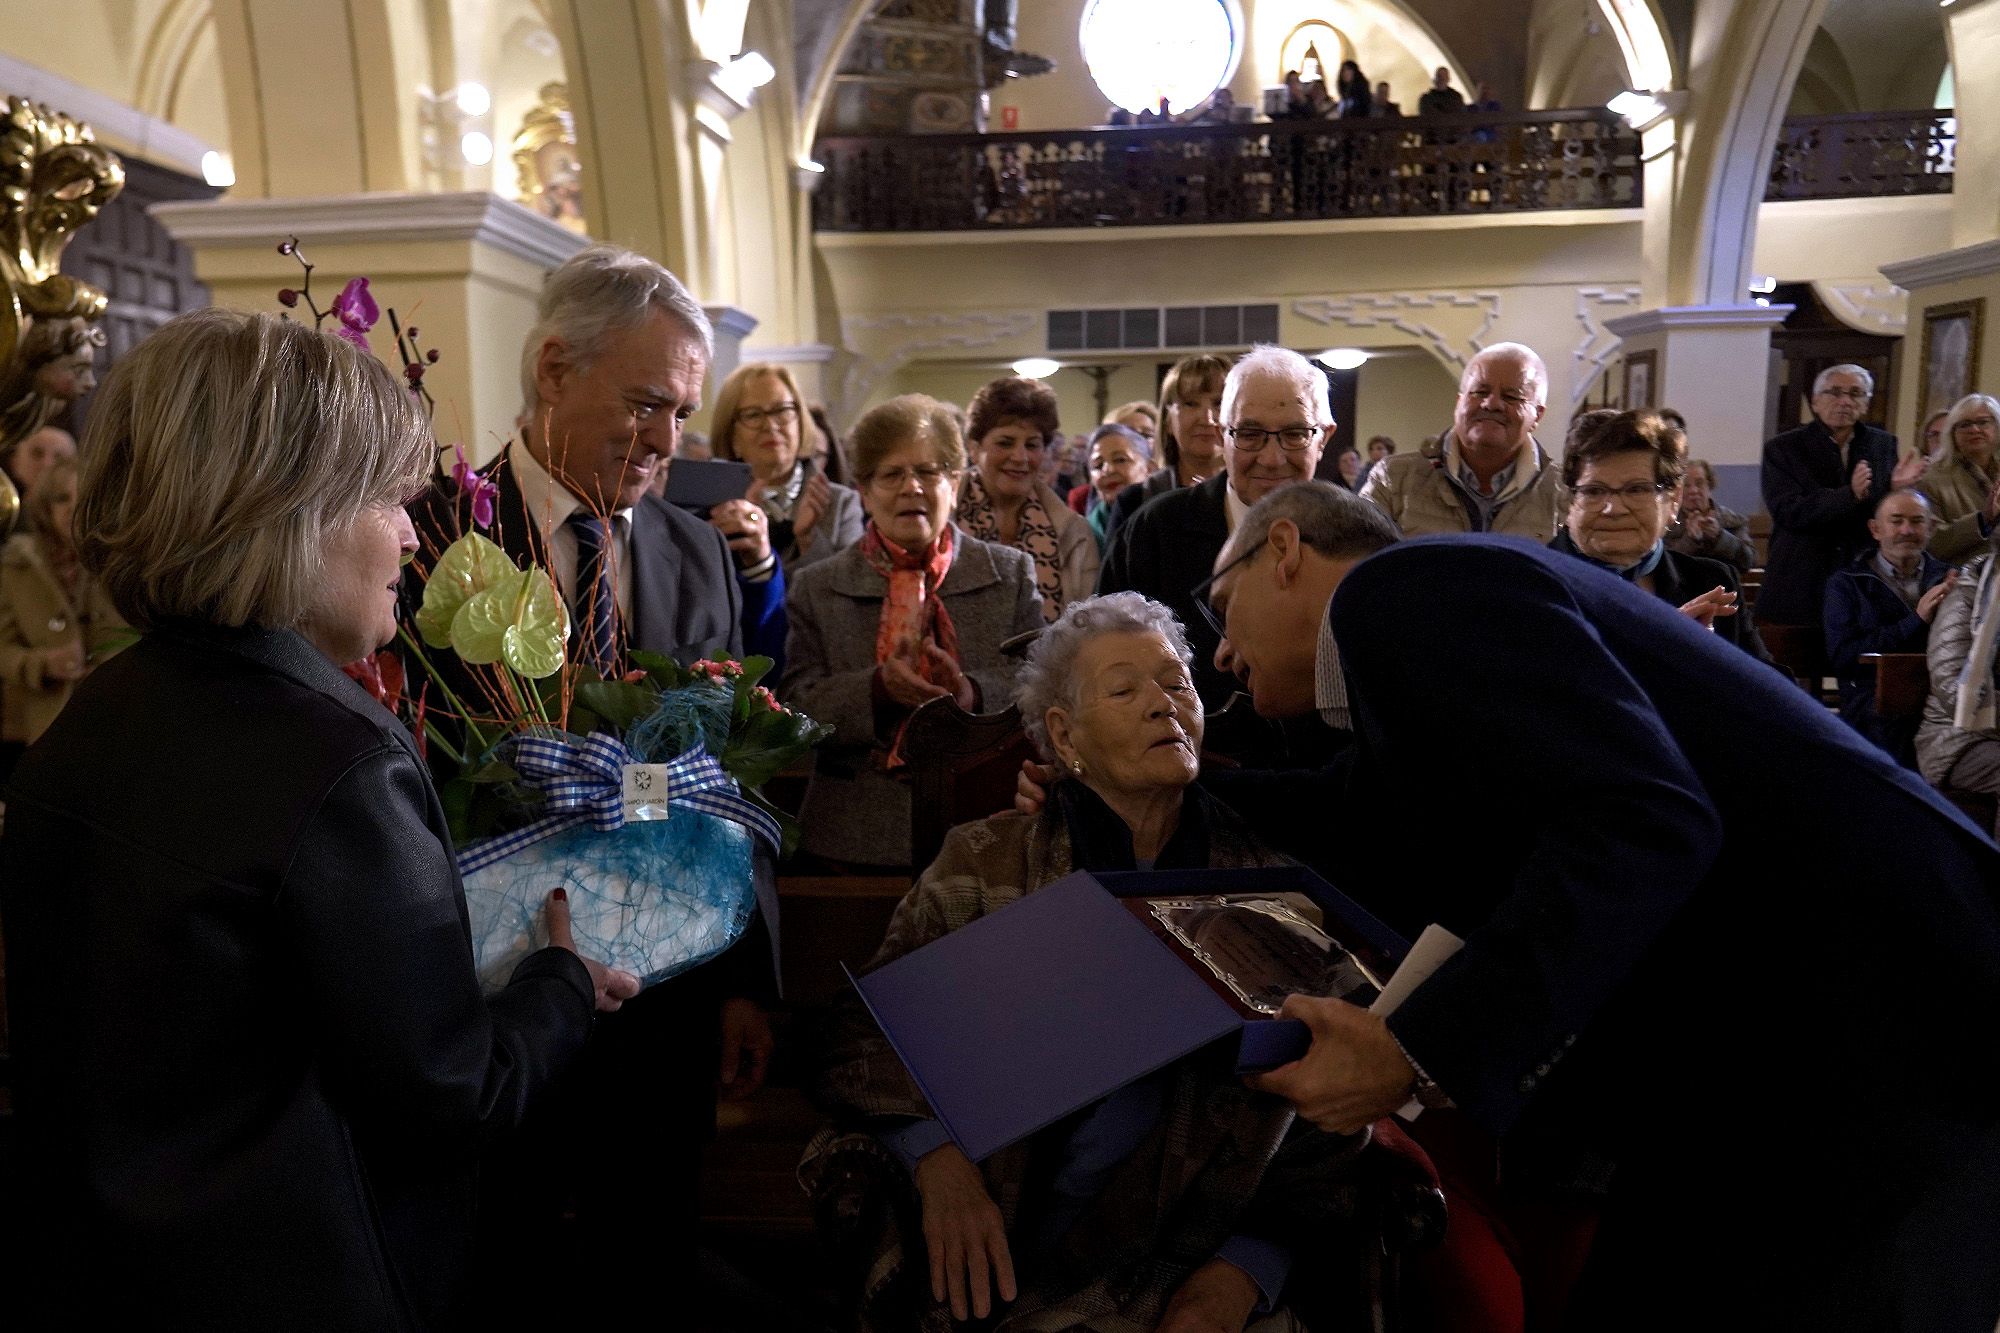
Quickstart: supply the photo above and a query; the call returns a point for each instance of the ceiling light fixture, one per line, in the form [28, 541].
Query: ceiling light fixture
[1036, 367]
[1344, 358]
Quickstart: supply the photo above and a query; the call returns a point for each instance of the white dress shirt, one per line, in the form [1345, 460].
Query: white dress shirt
[549, 504]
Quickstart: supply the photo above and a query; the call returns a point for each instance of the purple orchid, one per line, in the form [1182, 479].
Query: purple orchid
[356, 312]
[482, 491]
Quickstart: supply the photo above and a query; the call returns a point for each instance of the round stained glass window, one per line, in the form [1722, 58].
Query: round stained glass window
[1140, 51]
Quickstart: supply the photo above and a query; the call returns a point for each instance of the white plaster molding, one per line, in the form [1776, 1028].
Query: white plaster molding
[1971, 261]
[1406, 313]
[802, 354]
[476, 216]
[1598, 344]
[1876, 307]
[881, 344]
[151, 138]
[1671, 319]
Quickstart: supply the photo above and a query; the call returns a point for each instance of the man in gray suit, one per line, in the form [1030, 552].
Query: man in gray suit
[610, 372]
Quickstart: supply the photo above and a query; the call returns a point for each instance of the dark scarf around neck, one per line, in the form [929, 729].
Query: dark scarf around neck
[1101, 841]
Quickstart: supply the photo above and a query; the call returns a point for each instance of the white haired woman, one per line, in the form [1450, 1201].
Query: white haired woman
[1110, 1241]
[255, 1065]
[1963, 485]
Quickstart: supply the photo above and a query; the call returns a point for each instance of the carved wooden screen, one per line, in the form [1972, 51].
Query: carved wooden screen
[149, 278]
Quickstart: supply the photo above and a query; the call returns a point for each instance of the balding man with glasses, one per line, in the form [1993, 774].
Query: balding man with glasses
[1487, 473]
[1821, 482]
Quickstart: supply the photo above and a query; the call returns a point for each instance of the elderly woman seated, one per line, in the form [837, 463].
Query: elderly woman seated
[1623, 473]
[1177, 1202]
[913, 611]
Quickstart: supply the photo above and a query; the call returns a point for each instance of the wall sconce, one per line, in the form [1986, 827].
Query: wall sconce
[1642, 109]
[456, 127]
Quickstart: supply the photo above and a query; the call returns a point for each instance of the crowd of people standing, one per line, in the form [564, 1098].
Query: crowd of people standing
[260, 1087]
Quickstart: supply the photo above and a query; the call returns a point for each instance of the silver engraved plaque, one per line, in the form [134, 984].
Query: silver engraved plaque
[1263, 950]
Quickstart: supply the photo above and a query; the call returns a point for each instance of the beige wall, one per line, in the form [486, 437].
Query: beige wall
[1404, 395]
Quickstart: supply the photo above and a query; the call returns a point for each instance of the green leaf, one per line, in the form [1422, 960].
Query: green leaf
[754, 671]
[518, 620]
[618, 704]
[493, 770]
[664, 671]
[468, 566]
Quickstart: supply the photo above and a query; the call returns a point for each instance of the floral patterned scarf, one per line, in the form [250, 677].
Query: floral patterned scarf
[1037, 539]
[912, 613]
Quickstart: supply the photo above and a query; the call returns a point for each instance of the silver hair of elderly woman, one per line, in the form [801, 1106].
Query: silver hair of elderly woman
[1048, 677]
[1111, 429]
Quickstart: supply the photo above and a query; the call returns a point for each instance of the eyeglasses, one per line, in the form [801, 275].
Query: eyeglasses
[1975, 423]
[892, 479]
[1630, 496]
[1292, 439]
[1200, 592]
[784, 414]
[1852, 395]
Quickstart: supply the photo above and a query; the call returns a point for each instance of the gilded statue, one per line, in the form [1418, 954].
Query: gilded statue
[54, 177]
[546, 157]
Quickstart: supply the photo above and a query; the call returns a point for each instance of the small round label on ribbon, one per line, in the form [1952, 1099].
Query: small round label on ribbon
[645, 791]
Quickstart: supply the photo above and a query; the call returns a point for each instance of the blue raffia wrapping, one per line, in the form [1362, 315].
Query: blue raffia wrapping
[654, 897]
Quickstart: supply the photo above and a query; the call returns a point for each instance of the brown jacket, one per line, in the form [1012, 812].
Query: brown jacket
[1957, 491]
[37, 622]
[1418, 494]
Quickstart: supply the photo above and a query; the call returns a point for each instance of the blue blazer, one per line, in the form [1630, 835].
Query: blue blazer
[1710, 932]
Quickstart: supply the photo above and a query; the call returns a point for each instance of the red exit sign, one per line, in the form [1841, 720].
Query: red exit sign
[1010, 118]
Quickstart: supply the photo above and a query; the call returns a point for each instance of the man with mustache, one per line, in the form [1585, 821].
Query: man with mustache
[1884, 602]
[1487, 473]
[1821, 481]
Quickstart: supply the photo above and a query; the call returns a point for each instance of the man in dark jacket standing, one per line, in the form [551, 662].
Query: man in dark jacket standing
[1821, 481]
[1884, 602]
[1726, 945]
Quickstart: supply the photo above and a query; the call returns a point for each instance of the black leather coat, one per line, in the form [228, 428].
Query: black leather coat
[255, 1066]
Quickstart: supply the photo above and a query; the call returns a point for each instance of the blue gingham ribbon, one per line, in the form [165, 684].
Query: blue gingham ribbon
[584, 783]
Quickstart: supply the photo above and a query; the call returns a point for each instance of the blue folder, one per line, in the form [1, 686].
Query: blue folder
[1058, 1000]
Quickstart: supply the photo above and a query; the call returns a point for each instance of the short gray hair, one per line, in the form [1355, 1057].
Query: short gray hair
[221, 456]
[1284, 364]
[600, 291]
[1047, 678]
[1331, 519]
[1521, 355]
[1859, 372]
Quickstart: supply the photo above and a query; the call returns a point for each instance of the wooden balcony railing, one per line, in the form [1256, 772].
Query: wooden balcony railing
[1266, 172]
[1866, 154]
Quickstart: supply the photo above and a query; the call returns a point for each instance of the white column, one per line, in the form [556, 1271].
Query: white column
[467, 269]
[1712, 364]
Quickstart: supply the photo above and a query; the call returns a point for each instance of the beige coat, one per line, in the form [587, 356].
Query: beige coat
[36, 623]
[1415, 491]
[1957, 491]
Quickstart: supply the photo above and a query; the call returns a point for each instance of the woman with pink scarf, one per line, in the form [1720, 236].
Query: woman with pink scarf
[917, 609]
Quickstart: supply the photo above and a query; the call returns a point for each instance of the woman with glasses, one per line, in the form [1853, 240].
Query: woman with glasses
[1624, 478]
[1005, 498]
[914, 611]
[1963, 485]
[761, 419]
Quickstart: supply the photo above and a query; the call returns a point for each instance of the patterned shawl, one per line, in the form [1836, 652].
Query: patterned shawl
[1222, 1161]
[977, 515]
[913, 613]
